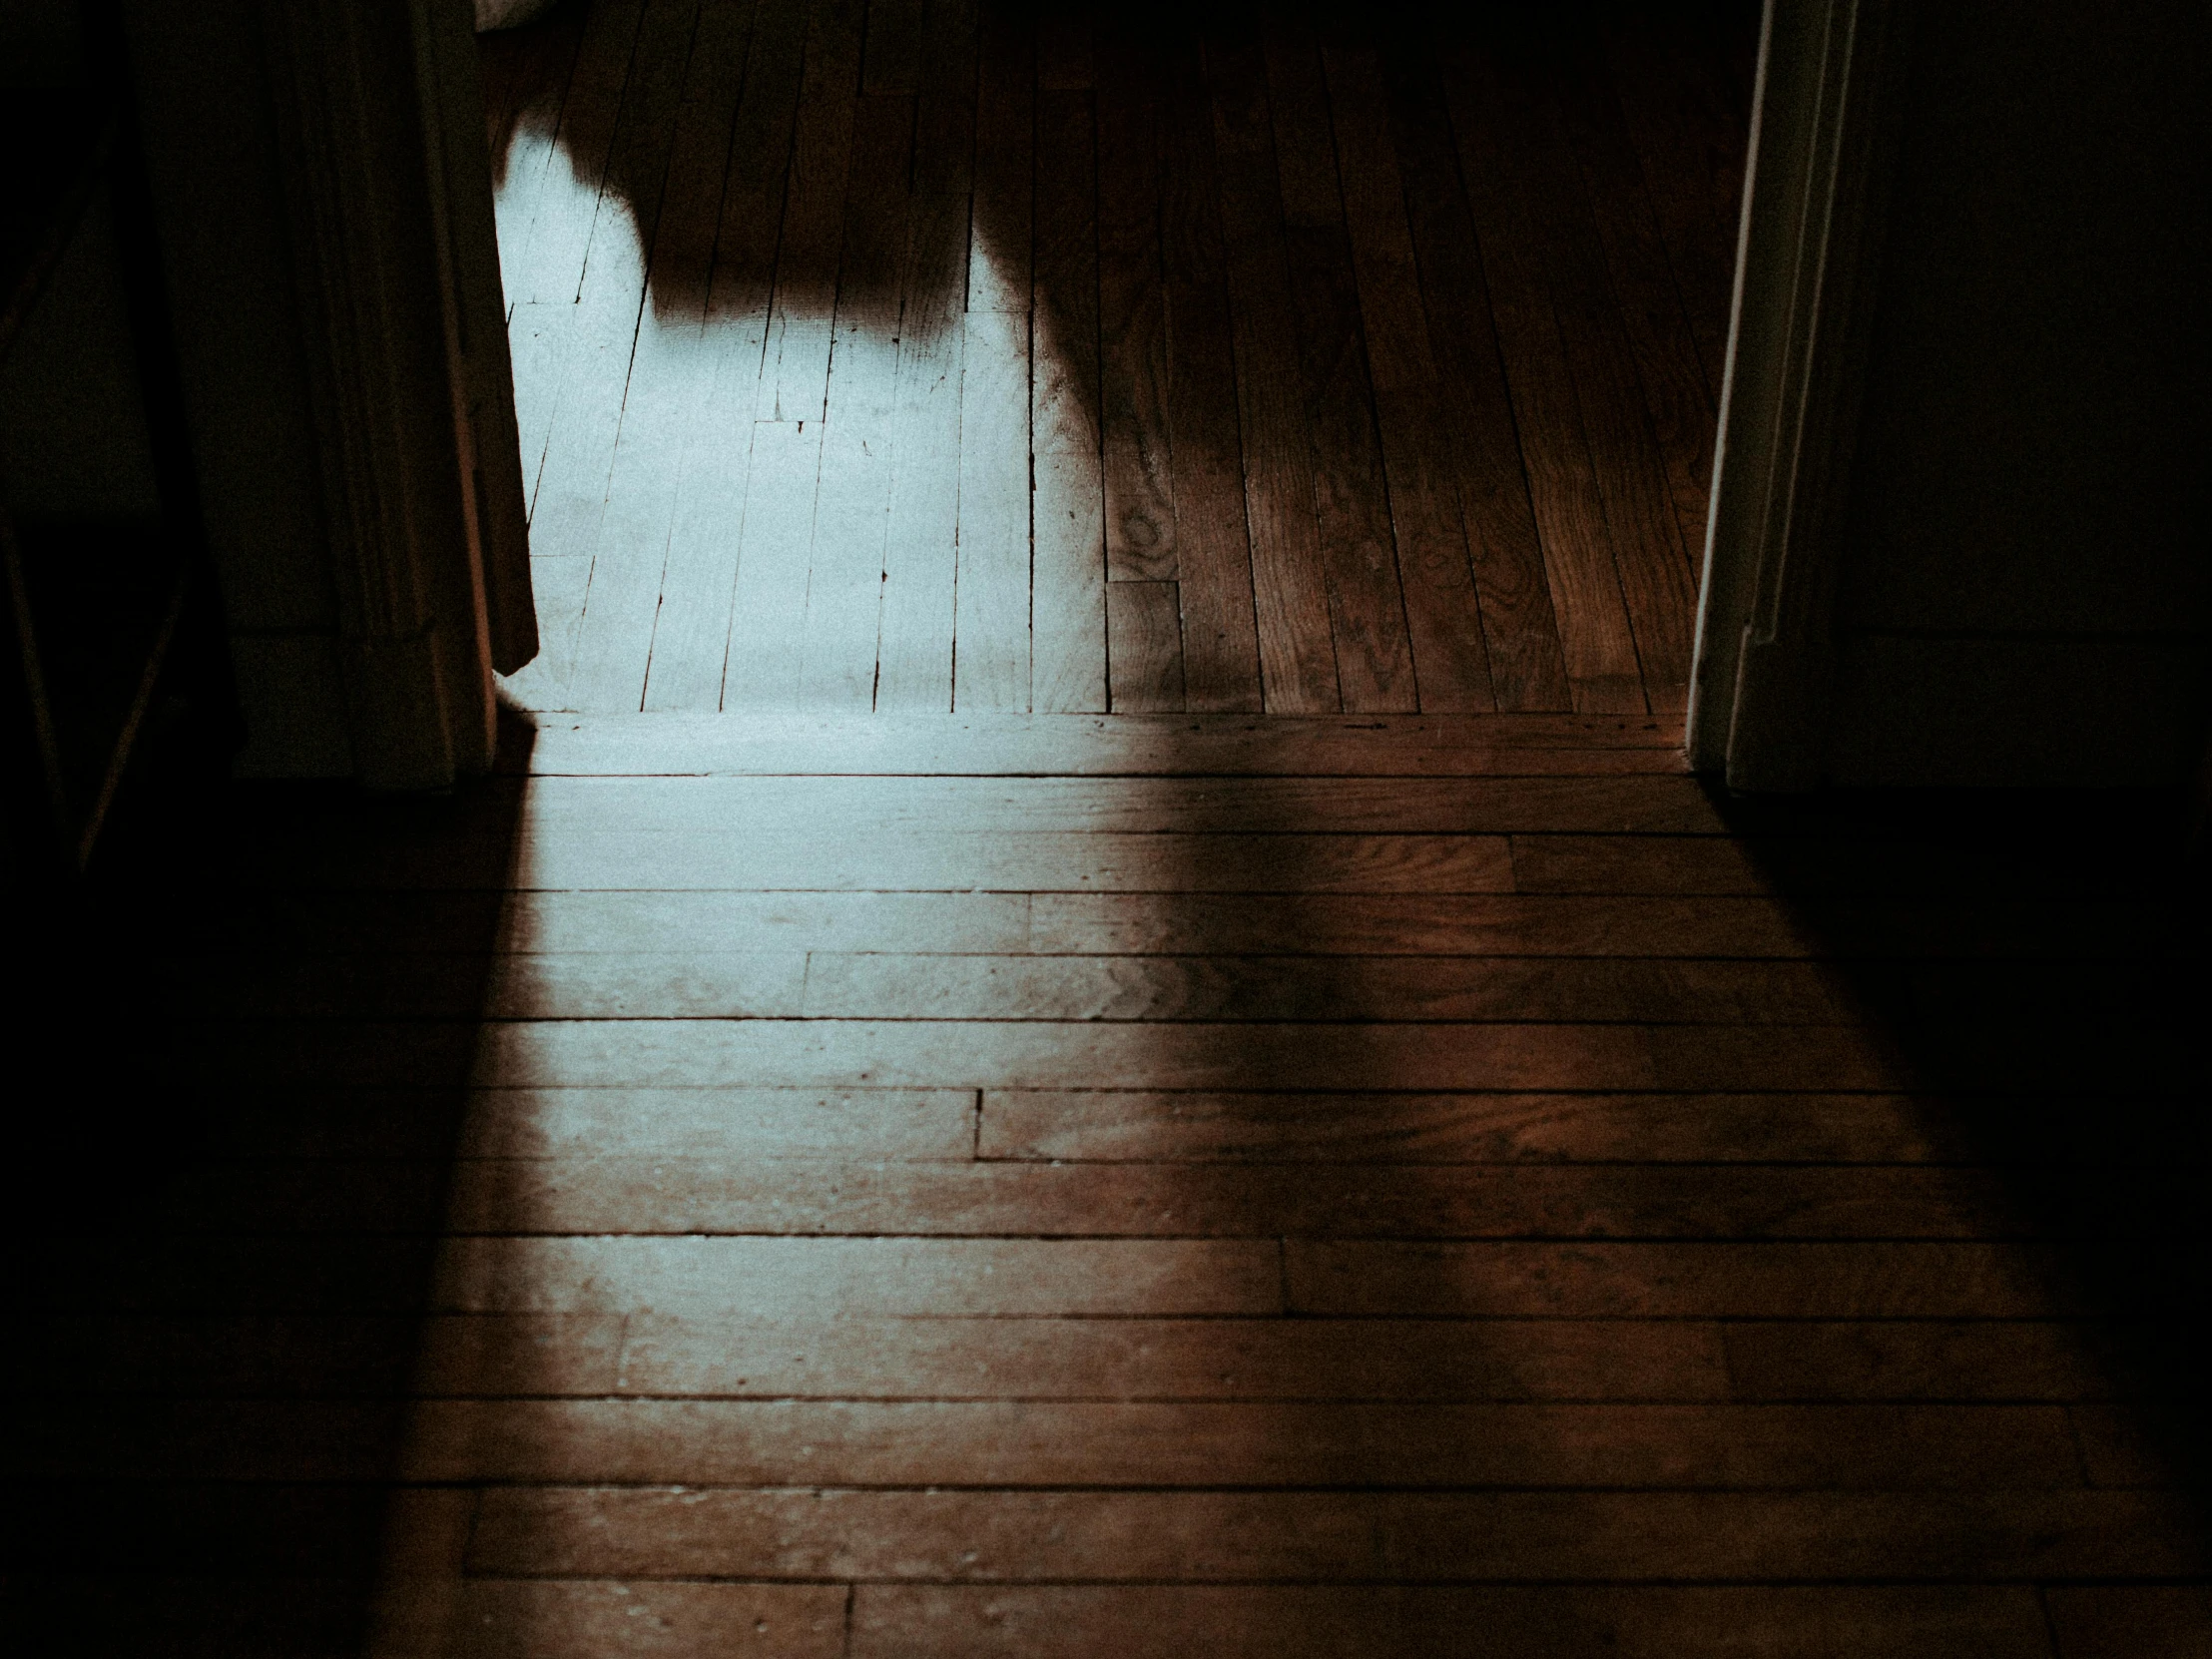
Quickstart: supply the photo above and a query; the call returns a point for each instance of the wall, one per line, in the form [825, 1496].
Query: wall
[212, 157]
[2027, 590]
[73, 443]
[73, 440]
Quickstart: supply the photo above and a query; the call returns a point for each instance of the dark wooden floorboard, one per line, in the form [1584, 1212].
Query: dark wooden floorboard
[1466, 432]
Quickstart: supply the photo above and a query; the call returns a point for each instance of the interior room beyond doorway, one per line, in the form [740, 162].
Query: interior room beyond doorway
[910, 357]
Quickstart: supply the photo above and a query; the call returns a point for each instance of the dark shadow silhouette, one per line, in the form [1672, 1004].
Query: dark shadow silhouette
[240, 1074]
[2037, 959]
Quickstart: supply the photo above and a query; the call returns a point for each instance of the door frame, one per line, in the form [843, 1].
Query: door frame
[1808, 249]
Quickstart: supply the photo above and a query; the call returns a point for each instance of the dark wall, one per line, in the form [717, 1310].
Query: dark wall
[204, 97]
[73, 443]
[2026, 598]
[74, 451]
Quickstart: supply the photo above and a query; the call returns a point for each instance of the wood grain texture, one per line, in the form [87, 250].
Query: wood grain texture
[1144, 647]
[1068, 604]
[1220, 642]
[1133, 368]
[1483, 453]
[1374, 656]
[1298, 662]
[992, 1539]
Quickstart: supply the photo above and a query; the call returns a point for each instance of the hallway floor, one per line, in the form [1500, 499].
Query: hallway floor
[1046, 1187]
[917, 358]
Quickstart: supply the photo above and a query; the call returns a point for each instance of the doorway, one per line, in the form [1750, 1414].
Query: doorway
[907, 358]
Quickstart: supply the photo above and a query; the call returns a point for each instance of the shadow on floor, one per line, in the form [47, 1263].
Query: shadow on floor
[228, 1169]
[2037, 959]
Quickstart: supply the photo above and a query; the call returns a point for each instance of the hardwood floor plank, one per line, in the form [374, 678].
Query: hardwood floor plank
[795, 371]
[1050, 1055]
[2105, 1621]
[1064, 52]
[1913, 1359]
[944, 103]
[597, 356]
[1115, 1125]
[1693, 166]
[893, 58]
[1298, 662]
[1381, 989]
[1812, 869]
[1140, 1359]
[1382, 924]
[580, 1619]
[1213, 549]
[1632, 805]
[673, 374]
[893, 1125]
[1138, 472]
[904, 1278]
[1068, 607]
[1564, 486]
[1004, 1538]
[1481, 447]
[644, 1195]
[1005, 155]
[920, 861]
[1044, 1444]
[845, 593]
[542, 256]
[692, 635]
[540, 67]
[1144, 647]
[1509, 131]
[1674, 1281]
[1346, 1623]
[727, 920]
[453, 985]
[1128, 745]
[914, 657]
[1683, 405]
[321, 1356]
[1367, 621]
[690, 630]
[1450, 657]
[992, 584]
[1048, 854]
[768, 610]
[1369, 202]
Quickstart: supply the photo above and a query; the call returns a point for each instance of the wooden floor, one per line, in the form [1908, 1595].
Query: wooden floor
[1148, 1186]
[916, 355]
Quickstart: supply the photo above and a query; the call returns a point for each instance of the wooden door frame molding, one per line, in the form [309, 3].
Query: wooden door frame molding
[1815, 189]
[380, 116]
